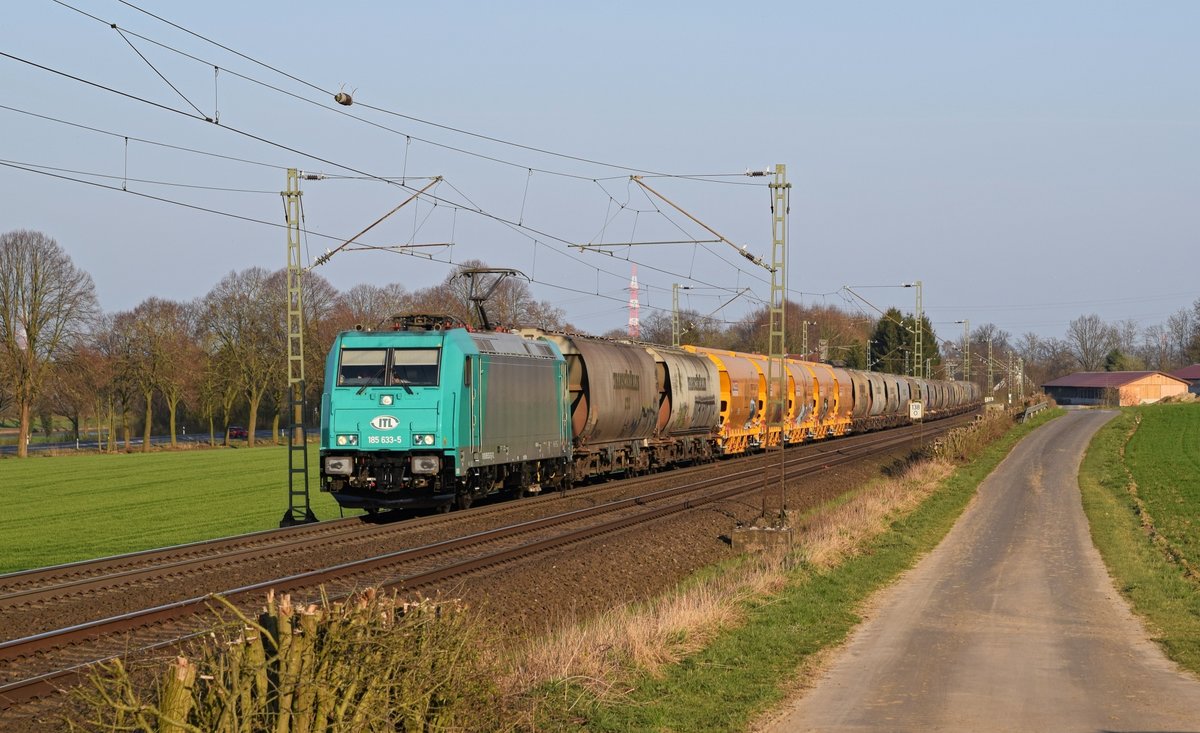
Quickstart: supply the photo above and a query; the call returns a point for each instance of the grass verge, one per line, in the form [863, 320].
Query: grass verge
[1140, 482]
[69, 508]
[744, 662]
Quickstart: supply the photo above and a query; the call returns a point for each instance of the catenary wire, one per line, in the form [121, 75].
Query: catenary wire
[139, 180]
[475, 209]
[365, 176]
[441, 126]
[143, 140]
[519, 228]
[695, 177]
[278, 225]
[165, 46]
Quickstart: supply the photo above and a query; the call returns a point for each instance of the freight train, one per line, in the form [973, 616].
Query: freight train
[433, 414]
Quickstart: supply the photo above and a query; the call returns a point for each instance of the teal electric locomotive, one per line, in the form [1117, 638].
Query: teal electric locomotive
[432, 414]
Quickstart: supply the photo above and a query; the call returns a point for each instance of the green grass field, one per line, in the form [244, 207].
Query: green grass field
[1149, 541]
[1164, 457]
[65, 508]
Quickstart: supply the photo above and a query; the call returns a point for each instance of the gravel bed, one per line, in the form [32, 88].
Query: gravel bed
[640, 563]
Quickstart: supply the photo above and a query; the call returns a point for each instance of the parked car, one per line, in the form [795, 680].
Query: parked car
[236, 431]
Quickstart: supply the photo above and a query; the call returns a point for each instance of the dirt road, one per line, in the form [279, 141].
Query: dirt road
[1011, 624]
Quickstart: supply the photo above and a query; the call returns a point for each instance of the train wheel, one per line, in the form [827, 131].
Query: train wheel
[464, 500]
[523, 482]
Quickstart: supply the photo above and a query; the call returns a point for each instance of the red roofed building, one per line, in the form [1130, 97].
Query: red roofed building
[1191, 375]
[1114, 388]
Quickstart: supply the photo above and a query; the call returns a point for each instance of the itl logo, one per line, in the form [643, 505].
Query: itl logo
[385, 422]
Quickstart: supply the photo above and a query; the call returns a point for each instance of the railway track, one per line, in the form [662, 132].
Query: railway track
[81, 582]
[38, 665]
[75, 590]
[37, 601]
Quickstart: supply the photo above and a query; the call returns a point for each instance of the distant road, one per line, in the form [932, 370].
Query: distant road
[1011, 624]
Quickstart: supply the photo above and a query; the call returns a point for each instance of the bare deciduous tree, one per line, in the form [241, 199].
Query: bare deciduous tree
[72, 388]
[165, 331]
[1180, 330]
[243, 314]
[1192, 355]
[45, 306]
[1090, 340]
[321, 301]
[138, 358]
[372, 305]
[1059, 357]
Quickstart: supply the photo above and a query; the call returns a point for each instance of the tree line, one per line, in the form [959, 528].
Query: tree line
[215, 360]
[222, 357]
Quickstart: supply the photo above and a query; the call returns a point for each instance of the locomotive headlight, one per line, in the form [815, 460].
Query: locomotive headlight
[423, 439]
[426, 464]
[347, 440]
[385, 400]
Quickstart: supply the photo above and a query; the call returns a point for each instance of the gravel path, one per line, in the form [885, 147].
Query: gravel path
[1011, 624]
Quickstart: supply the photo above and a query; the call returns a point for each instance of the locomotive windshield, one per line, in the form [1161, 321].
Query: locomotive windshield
[362, 367]
[417, 367]
[382, 367]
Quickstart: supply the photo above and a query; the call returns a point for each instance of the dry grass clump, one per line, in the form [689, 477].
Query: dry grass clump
[371, 663]
[967, 442]
[1181, 398]
[599, 653]
[832, 535]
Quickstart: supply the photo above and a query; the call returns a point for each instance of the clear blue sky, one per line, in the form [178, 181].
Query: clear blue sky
[1030, 162]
